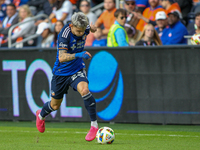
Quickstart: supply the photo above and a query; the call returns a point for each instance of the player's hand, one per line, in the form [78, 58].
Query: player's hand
[93, 28]
[83, 54]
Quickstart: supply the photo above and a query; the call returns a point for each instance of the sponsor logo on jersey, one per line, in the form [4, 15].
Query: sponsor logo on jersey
[73, 46]
[63, 45]
[80, 44]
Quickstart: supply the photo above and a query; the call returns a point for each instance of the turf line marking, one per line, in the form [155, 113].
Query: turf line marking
[170, 135]
[176, 135]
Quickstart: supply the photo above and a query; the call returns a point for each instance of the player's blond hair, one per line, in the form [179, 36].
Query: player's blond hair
[80, 20]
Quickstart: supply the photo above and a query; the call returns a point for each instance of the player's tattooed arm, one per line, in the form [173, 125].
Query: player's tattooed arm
[64, 56]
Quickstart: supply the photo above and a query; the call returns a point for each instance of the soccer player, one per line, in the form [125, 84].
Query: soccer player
[69, 70]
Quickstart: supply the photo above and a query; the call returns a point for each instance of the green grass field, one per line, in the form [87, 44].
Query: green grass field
[71, 136]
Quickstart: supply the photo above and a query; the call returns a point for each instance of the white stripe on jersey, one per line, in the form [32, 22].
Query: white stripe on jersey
[66, 32]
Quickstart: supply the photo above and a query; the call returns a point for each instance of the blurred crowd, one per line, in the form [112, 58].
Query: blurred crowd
[135, 22]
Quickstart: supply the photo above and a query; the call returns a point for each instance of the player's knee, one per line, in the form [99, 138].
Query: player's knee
[55, 106]
[84, 91]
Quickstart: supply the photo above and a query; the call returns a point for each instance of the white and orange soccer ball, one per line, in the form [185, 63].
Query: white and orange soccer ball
[105, 135]
[195, 39]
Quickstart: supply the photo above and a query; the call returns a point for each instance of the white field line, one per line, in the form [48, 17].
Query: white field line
[123, 134]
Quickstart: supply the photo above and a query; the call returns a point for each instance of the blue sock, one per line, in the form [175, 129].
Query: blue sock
[46, 109]
[90, 105]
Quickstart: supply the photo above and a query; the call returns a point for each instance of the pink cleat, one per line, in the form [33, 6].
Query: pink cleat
[91, 134]
[40, 124]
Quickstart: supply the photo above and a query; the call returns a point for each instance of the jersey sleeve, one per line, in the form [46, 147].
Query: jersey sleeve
[64, 39]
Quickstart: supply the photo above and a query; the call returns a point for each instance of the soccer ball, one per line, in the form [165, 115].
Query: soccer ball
[195, 39]
[105, 135]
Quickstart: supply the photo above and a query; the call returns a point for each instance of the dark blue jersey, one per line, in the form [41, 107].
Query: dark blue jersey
[72, 44]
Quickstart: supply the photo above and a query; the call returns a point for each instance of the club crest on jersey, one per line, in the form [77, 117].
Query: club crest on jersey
[84, 37]
[63, 45]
